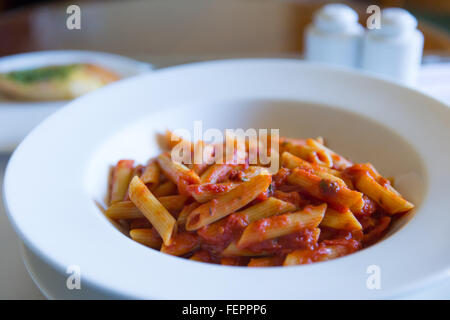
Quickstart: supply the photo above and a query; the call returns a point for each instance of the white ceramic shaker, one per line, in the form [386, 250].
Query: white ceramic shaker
[395, 49]
[335, 36]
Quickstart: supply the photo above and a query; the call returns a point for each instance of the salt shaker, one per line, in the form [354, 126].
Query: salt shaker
[395, 49]
[335, 36]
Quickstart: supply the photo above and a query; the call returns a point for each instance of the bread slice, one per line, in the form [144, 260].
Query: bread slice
[62, 82]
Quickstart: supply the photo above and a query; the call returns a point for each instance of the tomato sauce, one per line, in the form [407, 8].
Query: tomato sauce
[217, 236]
[303, 239]
[280, 177]
[210, 188]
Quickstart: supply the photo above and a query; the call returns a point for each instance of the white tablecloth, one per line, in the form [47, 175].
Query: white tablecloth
[434, 80]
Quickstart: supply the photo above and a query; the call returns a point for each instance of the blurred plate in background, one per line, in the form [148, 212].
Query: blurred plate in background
[17, 118]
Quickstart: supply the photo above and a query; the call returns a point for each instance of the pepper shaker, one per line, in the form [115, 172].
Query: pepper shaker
[395, 49]
[335, 36]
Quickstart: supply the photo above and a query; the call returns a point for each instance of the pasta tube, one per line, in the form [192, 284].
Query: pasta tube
[281, 225]
[152, 209]
[227, 203]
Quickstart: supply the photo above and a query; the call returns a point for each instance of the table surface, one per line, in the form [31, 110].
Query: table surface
[203, 29]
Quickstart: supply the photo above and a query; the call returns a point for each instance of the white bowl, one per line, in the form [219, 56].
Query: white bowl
[18, 118]
[59, 171]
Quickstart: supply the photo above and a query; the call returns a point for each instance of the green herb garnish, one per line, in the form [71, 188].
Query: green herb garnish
[41, 74]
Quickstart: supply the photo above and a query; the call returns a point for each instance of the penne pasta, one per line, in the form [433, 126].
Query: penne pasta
[177, 172]
[254, 171]
[235, 148]
[182, 217]
[203, 156]
[137, 170]
[337, 161]
[173, 204]
[171, 140]
[215, 173]
[140, 223]
[127, 209]
[326, 189]
[302, 256]
[165, 189]
[150, 175]
[265, 262]
[290, 161]
[340, 220]
[118, 224]
[323, 154]
[152, 209]
[281, 225]
[123, 210]
[333, 251]
[148, 237]
[205, 192]
[326, 251]
[384, 195]
[121, 177]
[232, 250]
[310, 153]
[201, 256]
[228, 203]
[266, 208]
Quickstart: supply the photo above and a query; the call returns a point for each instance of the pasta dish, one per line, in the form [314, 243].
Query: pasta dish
[317, 206]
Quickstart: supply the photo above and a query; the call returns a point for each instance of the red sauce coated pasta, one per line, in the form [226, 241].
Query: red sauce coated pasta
[317, 206]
